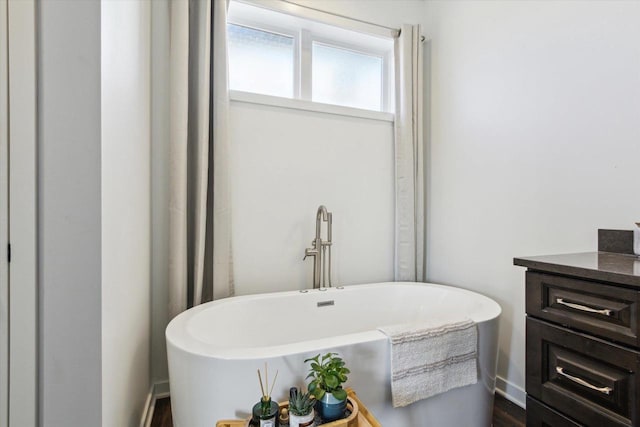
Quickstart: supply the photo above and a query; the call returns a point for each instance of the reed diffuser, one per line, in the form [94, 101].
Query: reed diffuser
[265, 412]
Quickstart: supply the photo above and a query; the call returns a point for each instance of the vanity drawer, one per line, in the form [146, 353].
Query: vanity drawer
[602, 310]
[590, 380]
[540, 415]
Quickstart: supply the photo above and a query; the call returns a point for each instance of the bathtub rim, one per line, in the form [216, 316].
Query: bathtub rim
[175, 332]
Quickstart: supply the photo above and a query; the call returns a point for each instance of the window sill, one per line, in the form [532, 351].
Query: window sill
[299, 104]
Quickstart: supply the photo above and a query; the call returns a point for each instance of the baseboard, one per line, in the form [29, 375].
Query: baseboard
[161, 389]
[147, 412]
[511, 392]
[156, 391]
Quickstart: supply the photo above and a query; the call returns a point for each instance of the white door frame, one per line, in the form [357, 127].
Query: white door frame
[4, 217]
[23, 268]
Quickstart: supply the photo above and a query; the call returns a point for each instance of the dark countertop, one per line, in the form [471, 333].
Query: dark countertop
[605, 266]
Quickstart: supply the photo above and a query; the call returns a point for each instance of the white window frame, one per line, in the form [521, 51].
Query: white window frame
[312, 14]
[303, 63]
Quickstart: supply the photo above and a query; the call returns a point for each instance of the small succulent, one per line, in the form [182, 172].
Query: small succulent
[301, 404]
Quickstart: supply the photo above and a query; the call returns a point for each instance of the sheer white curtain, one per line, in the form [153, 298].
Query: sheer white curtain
[409, 156]
[199, 200]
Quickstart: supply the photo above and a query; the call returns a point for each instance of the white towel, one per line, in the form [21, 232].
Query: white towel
[431, 357]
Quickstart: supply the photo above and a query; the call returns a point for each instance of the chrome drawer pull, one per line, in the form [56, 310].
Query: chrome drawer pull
[604, 311]
[605, 390]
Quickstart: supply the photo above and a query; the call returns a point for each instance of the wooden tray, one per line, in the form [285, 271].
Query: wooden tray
[360, 416]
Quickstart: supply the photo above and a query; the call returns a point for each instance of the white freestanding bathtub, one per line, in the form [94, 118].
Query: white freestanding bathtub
[215, 349]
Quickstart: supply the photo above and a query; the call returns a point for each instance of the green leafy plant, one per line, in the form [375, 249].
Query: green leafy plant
[301, 404]
[328, 373]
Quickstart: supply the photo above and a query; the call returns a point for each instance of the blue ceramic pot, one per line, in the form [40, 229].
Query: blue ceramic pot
[330, 408]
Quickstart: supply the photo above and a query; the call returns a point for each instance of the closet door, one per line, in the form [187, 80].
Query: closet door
[22, 160]
[4, 219]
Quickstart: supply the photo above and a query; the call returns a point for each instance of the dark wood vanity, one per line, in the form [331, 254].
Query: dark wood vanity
[582, 343]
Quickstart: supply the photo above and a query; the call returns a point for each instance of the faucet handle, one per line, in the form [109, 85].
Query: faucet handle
[310, 252]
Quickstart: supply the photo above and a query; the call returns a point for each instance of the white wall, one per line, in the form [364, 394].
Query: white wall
[534, 142]
[288, 162]
[126, 194]
[69, 213]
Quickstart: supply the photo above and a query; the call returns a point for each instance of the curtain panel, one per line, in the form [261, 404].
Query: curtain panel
[409, 156]
[199, 197]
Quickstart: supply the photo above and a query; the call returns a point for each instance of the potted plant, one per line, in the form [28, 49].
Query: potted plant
[301, 409]
[327, 374]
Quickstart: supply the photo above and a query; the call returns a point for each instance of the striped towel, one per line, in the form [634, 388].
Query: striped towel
[431, 357]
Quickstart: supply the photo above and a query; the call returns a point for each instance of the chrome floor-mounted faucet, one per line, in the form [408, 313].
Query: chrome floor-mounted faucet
[320, 249]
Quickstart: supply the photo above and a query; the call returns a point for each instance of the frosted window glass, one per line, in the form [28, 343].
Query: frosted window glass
[345, 77]
[260, 61]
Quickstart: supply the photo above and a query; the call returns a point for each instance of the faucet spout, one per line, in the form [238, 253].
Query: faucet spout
[321, 215]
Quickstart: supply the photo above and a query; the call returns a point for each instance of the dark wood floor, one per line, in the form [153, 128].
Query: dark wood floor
[162, 413]
[505, 414]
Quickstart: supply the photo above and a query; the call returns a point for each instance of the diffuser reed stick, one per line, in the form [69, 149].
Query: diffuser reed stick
[264, 387]
[261, 386]
[274, 383]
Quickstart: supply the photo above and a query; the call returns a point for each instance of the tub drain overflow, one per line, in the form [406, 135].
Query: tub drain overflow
[325, 303]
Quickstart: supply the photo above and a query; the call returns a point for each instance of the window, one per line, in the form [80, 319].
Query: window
[278, 54]
[260, 61]
[346, 77]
